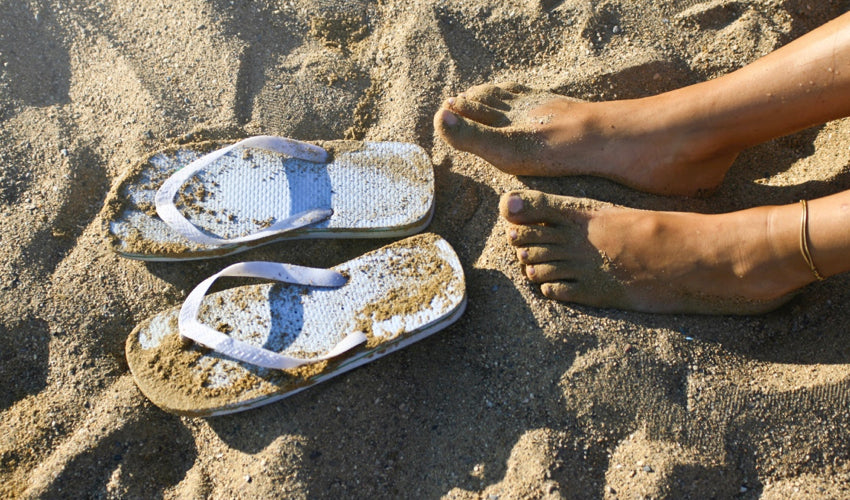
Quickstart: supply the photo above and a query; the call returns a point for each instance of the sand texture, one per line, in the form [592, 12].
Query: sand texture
[523, 397]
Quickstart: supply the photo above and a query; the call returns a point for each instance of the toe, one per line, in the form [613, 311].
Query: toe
[514, 87]
[478, 111]
[552, 271]
[538, 254]
[584, 292]
[444, 119]
[534, 207]
[565, 291]
[491, 95]
[496, 145]
[523, 236]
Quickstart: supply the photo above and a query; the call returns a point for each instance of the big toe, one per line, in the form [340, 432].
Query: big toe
[492, 144]
[477, 111]
[535, 207]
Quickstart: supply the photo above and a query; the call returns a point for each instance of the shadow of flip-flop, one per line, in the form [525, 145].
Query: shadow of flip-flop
[37, 63]
[24, 359]
[123, 457]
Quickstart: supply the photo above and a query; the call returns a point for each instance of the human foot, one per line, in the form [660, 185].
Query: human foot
[599, 254]
[649, 144]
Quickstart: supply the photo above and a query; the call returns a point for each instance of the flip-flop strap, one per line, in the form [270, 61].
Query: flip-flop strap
[191, 328]
[168, 212]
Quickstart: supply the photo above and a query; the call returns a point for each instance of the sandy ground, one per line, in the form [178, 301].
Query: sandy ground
[523, 397]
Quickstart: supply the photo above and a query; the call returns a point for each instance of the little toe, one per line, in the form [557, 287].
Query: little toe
[579, 292]
[565, 291]
[478, 111]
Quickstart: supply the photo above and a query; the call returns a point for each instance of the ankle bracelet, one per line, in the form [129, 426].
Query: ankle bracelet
[804, 241]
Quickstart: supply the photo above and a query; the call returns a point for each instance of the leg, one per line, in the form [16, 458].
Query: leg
[604, 255]
[679, 142]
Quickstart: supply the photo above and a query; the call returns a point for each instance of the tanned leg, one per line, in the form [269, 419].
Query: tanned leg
[679, 142]
[744, 262]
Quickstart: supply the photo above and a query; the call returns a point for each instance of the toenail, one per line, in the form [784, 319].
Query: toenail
[451, 101]
[512, 234]
[449, 118]
[523, 254]
[514, 204]
[530, 270]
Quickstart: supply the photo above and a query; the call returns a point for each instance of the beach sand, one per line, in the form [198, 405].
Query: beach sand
[523, 397]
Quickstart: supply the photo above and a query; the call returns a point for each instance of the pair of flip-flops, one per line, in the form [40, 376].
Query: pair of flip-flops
[248, 346]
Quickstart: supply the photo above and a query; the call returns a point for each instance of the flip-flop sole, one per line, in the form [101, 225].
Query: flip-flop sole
[375, 189]
[396, 295]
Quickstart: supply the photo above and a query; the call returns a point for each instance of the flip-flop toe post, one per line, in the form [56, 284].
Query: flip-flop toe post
[210, 199]
[248, 346]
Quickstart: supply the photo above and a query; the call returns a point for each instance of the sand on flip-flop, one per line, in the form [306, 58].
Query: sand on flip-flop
[521, 398]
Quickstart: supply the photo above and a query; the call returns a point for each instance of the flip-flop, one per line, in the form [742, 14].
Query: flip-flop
[249, 346]
[197, 201]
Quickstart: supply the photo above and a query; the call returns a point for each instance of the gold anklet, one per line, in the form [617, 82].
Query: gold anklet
[804, 241]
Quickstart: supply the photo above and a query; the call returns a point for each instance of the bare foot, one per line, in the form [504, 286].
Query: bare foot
[652, 144]
[599, 254]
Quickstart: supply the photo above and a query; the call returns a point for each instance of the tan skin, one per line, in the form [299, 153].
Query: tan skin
[680, 142]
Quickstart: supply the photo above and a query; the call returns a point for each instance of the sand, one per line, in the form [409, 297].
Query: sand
[523, 397]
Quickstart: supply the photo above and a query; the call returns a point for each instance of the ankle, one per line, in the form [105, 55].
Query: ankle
[780, 262]
[698, 152]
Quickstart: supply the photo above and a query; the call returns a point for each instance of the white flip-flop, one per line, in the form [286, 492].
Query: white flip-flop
[202, 200]
[249, 346]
